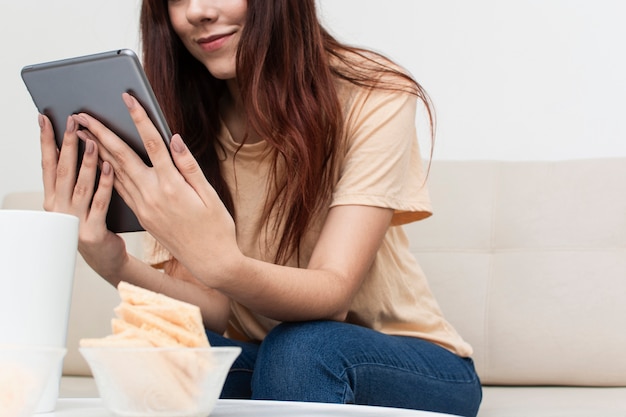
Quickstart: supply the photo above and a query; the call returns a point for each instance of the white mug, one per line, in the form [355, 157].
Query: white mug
[37, 261]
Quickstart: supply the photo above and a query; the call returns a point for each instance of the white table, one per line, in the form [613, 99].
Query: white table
[93, 407]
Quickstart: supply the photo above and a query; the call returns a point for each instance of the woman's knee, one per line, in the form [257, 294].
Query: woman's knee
[295, 357]
[292, 345]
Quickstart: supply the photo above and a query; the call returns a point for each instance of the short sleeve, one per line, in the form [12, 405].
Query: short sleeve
[382, 164]
[155, 254]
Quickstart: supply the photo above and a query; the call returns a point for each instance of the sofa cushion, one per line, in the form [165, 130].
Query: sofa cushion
[553, 402]
[528, 261]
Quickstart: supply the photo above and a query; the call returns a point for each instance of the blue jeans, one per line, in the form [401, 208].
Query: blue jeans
[332, 362]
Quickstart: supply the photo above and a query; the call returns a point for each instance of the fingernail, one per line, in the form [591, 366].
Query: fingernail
[177, 144]
[71, 125]
[81, 119]
[89, 147]
[41, 121]
[106, 168]
[129, 100]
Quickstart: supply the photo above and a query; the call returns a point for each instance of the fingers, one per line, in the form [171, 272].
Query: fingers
[152, 140]
[112, 149]
[117, 152]
[49, 159]
[119, 173]
[59, 176]
[126, 164]
[64, 190]
[190, 170]
[102, 196]
[90, 206]
[84, 187]
[132, 177]
[66, 167]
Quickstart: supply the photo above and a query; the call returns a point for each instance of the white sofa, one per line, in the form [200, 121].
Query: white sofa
[528, 261]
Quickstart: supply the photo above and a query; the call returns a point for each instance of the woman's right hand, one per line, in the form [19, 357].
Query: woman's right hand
[64, 192]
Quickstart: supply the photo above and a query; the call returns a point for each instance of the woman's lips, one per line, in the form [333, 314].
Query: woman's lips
[213, 43]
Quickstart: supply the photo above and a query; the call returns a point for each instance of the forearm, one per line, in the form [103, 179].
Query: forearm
[324, 289]
[288, 294]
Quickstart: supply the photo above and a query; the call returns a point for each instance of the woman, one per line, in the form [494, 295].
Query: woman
[279, 214]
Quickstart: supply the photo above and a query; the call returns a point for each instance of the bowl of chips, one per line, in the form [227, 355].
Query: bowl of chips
[157, 361]
[160, 381]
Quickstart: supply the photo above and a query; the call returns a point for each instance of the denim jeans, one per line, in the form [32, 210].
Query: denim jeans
[332, 362]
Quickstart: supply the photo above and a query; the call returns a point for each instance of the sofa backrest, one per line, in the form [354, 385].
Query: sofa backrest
[528, 262]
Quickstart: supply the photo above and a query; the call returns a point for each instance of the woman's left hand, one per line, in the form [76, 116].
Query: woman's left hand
[173, 200]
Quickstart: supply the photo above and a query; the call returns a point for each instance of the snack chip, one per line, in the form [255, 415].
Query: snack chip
[145, 318]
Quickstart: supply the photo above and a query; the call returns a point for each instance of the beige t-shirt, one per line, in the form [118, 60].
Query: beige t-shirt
[381, 166]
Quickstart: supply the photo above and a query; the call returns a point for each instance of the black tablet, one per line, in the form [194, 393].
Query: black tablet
[94, 84]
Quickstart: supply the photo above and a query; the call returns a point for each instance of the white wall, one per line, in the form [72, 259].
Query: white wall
[511, 79]
[525, 79]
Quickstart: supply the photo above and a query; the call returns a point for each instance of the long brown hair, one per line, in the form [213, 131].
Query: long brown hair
[287, 68]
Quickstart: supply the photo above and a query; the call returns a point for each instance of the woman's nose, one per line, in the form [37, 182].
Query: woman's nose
[200, 11]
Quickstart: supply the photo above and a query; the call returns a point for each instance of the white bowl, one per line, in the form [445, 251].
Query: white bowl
[151, 382]
[24, 374]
